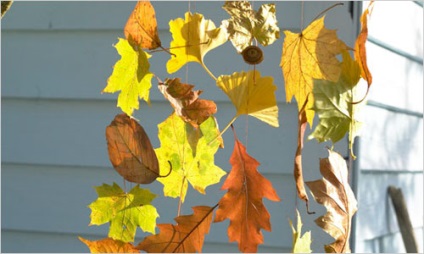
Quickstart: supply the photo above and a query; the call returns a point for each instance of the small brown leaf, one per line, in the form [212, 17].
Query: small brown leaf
[333, 191]
[141, 28]
[109, 245]
[130, 150]
[186, 102]
[187, 236]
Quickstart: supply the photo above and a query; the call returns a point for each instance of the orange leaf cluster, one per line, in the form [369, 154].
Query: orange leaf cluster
[130, 150]
[242, 204]
[186, 102]
[187, 236]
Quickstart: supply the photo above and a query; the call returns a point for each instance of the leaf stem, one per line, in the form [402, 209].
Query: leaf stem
[329, 8]
[224, 130]
[209, 72]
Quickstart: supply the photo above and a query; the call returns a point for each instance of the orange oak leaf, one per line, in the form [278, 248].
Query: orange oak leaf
[187, 236]
[242, 204]
[310, 55]
[186, 102]
[360, 50]
[333, 191]
[298, 171]
[141, 28]
[130, 150]
[109, 245]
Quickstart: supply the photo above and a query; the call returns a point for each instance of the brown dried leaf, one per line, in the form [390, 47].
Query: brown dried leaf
[186, 102]
[130, 150]
[333, 191]
[187, 236]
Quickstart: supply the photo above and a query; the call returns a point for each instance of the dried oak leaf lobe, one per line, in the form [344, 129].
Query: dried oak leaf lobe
[109, 245]
[191, 152]
[131, 76]
[333, 191]
[333, 104]
[130, 150]
[186, 102]
[141, 29]
[193, 37]
[242, 204]
[187, 236]
[301, 243]
[252, 95]
[124, 211]
[307, 56]
[246, 24]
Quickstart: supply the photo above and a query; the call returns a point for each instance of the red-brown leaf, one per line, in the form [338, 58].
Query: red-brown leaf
[242, 204]
[186, 102]
[130, 150]
[141, 28]
[187, 236]
[333, 191]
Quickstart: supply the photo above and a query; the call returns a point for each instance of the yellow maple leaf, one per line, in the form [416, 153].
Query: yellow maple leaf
[193, 37]
[131, 76]
[252, 95]
[307, 56]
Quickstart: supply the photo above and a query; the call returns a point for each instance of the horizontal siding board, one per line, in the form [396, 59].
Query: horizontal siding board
[396, 141]
[71, 133]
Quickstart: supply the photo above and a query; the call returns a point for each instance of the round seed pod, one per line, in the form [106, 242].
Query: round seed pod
[252, 55]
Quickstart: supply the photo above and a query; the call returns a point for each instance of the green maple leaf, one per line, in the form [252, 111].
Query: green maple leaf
[333, 103]
[124, 211]
[301, 243]
[246, 24]
[131, 76]
[192, 157]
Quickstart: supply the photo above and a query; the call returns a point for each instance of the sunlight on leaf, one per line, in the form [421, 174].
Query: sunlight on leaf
[246, 24]
[301, 243]
[131, 76]
[193, 37]
[252, 95]
[333, 103]
[307, 56]
[191, 155]
[124, 211]
[141, 28]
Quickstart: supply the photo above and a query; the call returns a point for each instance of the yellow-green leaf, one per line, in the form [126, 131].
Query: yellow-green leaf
[131, 76]
[191, 155]
[301, 243]
[246, 24]
[193, 37]
[333, 103]
[307, 56]
[124, 211]
[252, 95]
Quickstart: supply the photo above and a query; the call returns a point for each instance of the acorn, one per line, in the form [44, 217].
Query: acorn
[252, 55]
